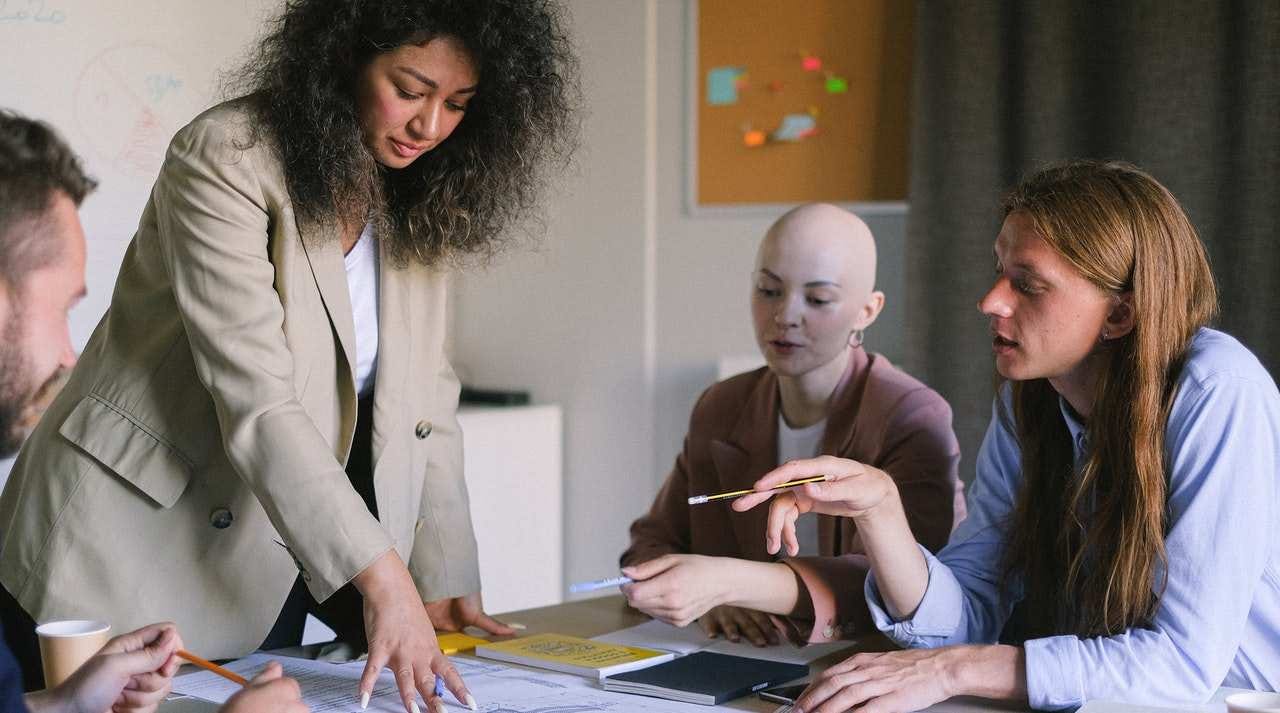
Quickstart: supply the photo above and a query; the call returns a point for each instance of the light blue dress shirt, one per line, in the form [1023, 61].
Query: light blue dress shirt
[1218, 621]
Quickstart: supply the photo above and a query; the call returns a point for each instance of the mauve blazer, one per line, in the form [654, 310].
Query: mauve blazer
[193, 465]
[881, 417]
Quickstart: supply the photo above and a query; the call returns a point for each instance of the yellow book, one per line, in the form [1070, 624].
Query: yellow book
[569, 654]
[455, 642]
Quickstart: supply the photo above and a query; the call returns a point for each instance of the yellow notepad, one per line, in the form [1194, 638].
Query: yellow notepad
[569, 654]
[455, 642]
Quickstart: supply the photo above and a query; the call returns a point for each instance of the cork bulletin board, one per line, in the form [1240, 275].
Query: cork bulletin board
[799, 100]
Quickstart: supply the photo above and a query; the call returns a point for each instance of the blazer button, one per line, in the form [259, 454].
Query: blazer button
[221, 518]
[422, 430]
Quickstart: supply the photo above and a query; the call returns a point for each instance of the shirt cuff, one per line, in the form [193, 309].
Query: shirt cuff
[937, 617]
[1054, 673]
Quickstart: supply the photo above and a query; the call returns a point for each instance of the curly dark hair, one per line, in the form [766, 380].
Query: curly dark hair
[35, 164]
[465, 196]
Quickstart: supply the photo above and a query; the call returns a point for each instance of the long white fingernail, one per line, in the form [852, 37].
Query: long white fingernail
[517, 626]
[438, 705]
[413, 706]
[471, 702]
[364, 700]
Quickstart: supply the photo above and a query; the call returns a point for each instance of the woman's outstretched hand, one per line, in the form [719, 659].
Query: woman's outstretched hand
[852, 489]
[402, 638]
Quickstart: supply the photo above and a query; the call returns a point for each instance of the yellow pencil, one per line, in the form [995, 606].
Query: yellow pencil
[211, 666]
[700, 499]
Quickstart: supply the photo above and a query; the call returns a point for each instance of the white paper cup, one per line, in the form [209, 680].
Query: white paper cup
[65, 645]
[1256, 702]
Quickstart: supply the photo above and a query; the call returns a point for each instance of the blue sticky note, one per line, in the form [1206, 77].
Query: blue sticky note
[722, 85]
[794, 127]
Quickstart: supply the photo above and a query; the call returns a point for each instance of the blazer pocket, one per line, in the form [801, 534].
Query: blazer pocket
[129, 449]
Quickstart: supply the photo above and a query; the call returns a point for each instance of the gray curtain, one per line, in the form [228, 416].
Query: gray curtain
[1189, 91]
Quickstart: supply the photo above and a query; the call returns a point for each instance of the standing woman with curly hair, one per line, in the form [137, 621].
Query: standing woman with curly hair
[1125, 496]
[263, 424]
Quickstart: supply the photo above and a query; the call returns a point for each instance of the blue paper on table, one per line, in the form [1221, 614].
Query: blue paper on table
[722, 85]
[706, 678]
[794, 127]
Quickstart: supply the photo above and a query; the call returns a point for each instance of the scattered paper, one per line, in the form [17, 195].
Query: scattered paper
[330, 688]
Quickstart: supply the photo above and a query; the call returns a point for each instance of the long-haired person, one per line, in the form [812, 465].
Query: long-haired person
[1126, 491]
[812, 297]
[263, 424]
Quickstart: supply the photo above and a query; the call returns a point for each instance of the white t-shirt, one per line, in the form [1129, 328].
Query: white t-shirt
[794, 443]
[362, 285]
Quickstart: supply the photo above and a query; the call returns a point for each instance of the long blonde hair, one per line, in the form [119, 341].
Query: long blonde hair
[1089, 541]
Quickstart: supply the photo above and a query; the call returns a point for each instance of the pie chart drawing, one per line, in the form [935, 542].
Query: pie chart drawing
[129, 101]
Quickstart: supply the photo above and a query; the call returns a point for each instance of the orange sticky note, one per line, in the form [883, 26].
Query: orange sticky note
[753, 139]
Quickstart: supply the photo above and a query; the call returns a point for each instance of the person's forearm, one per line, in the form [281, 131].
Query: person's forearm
[764, 586]
[385, 576]
[47, 701]
[902, 575]
[995, 672]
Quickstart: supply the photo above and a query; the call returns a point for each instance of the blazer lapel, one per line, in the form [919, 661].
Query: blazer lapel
[750, 451]
[395, 332]
[323, 247]
[835, 535]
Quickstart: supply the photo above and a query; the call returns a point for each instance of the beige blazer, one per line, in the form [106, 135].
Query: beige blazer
[193, 465]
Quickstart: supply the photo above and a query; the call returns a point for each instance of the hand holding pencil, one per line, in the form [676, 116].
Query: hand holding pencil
[270, 690]
[847, 488]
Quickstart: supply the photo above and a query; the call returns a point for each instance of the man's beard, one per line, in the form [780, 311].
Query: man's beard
[15, 386]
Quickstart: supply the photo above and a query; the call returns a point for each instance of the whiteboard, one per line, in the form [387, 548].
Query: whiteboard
[117, 78]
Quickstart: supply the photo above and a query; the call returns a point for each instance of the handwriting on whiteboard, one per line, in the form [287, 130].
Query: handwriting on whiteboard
[31, 11]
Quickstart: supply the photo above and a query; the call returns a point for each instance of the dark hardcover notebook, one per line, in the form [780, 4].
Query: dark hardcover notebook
[705, 677]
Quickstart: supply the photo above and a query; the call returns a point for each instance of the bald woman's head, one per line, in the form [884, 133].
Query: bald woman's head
[824, 236]
[814, 287]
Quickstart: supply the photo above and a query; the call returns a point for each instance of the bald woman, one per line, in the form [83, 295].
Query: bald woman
[813, 294]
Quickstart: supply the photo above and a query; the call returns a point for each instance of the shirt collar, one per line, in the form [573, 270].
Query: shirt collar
[1079, 435]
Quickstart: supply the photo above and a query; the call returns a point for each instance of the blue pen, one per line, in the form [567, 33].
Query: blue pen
[598, 584]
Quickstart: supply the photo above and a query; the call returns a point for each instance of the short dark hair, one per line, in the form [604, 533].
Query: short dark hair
[34, 165]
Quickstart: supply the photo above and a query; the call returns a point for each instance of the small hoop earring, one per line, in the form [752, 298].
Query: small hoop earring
[855, 338]
[1103, 338]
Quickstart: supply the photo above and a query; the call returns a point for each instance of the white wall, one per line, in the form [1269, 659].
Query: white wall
[117, 80]
[621, 314]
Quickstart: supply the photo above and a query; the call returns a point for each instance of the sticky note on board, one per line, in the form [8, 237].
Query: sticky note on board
[837, 85]
[795, 127]
[810, 63]
[753, 139]
[722, 85]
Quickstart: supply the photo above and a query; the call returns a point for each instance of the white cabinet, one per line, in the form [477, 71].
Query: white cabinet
[515, 480]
